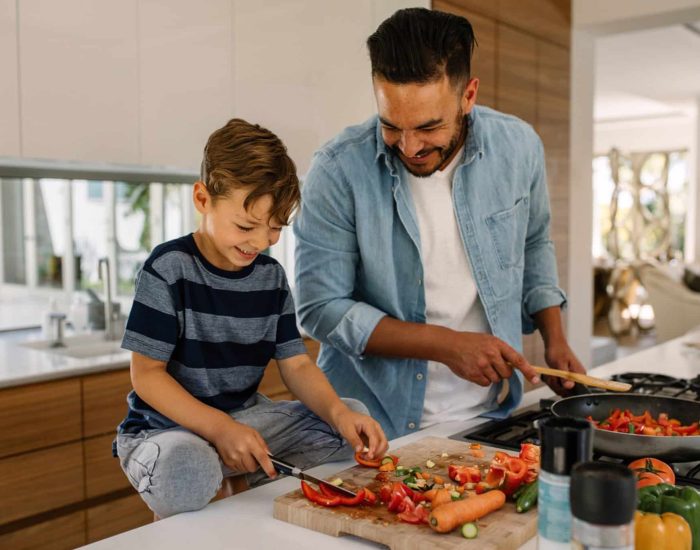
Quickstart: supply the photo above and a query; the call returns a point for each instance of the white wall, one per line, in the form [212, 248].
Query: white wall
[146, 81]
[659, 134]
[609, 16]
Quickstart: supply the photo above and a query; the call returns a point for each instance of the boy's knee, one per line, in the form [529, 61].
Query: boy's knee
[185, 478]
[355, 405]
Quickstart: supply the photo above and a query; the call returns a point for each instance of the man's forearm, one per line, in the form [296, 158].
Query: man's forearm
[394, 338]
[549, 323]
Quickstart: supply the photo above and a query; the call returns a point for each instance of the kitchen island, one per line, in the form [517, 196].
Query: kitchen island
[245, 520]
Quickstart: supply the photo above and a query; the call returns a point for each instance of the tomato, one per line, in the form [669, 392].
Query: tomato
[362, 459]
[418, 514]
[646, 479]
[385, 492]
[654, 466]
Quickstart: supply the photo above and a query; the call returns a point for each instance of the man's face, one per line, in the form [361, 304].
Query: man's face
[424, 123]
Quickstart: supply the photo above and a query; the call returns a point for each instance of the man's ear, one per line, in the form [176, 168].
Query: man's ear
[471, 90]
[201, 197]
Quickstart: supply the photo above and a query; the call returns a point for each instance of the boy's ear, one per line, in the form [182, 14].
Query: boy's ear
[201, 197]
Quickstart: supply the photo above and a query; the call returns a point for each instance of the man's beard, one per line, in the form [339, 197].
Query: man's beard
[443, 152]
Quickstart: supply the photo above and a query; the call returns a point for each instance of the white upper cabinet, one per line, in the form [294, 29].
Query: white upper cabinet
[186, 77]
[9, 85]
[79, 79]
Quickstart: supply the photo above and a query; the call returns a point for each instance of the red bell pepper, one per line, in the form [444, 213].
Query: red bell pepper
[363, 460]
[464, 474]
[314, 496]
[345, 501]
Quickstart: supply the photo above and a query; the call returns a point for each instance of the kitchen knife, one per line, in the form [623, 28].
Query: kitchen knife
[289, 469]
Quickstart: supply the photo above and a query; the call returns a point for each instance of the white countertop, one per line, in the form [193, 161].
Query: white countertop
[23, 365]
[245, 521]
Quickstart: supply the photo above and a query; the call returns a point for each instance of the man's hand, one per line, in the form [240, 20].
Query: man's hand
[242, 448]
[483, 358]
[360, 430]
[559, 356]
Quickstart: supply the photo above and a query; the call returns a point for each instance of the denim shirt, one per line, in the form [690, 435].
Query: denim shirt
[358, 255]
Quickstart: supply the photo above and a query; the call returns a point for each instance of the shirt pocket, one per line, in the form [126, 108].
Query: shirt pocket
[508, 229]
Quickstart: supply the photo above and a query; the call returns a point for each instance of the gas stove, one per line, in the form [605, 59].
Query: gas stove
[510, 432]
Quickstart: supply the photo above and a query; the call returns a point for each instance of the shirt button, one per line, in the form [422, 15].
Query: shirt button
[419, 376]
[411, 425]
[420, 281]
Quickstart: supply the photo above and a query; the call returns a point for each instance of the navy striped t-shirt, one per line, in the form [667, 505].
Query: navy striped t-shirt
[215, 329]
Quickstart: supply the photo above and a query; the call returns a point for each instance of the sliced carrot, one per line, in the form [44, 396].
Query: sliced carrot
[439, 480]
[459, 489]
[387, 467]
[453, 514]
[477, 453]
[425, 475]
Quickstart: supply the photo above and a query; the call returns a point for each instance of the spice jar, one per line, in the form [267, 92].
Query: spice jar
[565, 442]
[603, 501]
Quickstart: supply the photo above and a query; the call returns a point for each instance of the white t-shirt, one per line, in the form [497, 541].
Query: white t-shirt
[451, 296]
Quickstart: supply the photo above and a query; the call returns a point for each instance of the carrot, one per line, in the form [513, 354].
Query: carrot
[430, 494]
[477, 453]
[459, 489]
[451, 515]
[425, 475]
[439, 480]
[442, 496]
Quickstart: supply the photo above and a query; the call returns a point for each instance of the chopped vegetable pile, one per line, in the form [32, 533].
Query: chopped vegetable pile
[623, 421]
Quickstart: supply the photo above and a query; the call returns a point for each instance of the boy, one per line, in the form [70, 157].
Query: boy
[209, 313]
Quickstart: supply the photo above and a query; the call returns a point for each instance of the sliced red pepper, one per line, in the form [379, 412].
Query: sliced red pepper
[464, 474]
[345, 501]
[314, 496]
[495, 478]
[362, 459]
[394, 458]
[385, 492]
[515, 475]
[529, 452]
[370, 497]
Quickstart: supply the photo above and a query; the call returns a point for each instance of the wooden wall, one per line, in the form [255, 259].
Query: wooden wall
[522, 61]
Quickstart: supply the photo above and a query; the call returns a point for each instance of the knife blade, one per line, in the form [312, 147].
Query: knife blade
[289, 469]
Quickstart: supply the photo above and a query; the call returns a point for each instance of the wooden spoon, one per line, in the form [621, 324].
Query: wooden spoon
[610, 385]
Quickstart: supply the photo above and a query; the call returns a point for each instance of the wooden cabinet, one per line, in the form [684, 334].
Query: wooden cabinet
[40, 481]
[39, 415]
[103, 475]
[116, 517]
[61, 533]
[104, 401]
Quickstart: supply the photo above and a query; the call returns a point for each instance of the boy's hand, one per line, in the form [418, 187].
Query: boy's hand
[242, 448]
[360, 429]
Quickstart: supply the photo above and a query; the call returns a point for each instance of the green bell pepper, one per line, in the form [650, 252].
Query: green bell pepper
[684, 501]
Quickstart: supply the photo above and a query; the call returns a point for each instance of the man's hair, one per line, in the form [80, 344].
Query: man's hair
[241, 154]
[418, 45]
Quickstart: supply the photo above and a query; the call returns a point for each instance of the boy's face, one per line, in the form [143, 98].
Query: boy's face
[424, 123]
[230, 236]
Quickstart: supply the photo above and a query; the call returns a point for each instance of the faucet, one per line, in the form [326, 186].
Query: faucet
[57, 320]
[103, 270]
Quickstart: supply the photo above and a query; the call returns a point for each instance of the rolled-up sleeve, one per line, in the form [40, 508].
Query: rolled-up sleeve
[540, 283]
[327, 256]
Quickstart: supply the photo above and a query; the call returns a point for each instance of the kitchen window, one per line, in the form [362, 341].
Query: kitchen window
[58, 219]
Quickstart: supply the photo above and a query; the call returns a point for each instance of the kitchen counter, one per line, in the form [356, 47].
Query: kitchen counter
[21, 365]
[245, 520]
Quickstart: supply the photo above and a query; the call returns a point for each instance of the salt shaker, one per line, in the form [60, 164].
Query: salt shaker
[603, 501]
[565, 442]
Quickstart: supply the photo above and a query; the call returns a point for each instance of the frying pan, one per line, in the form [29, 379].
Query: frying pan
[599, 406]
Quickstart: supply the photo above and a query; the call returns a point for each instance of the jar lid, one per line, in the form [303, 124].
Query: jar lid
[603, 493]
[565, 441]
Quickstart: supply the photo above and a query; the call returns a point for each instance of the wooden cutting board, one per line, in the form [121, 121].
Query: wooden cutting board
[501, 530]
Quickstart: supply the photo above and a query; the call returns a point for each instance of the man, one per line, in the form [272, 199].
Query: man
[423, 248]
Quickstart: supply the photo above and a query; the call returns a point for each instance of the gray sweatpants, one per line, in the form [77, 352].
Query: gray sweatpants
[175, 470]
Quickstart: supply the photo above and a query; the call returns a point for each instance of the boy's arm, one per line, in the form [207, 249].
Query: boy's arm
[240, 447]
[308, 383]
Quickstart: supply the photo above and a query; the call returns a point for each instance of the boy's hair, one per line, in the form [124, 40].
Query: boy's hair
[241, 154]
[418, 45]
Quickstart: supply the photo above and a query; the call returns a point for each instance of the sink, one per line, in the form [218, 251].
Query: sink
[82, 346]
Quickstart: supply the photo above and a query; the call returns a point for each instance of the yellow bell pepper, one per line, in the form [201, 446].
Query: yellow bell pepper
[667, 531]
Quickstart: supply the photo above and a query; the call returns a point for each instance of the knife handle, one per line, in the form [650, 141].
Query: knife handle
[281, 466]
